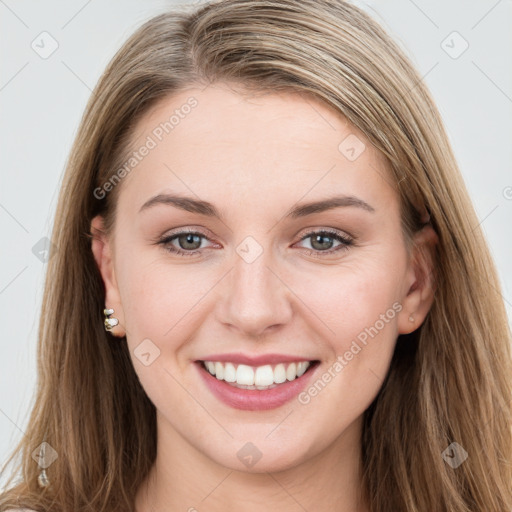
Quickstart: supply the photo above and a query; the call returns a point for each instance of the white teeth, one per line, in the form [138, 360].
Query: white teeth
[264, 376]
[244, 374]
[301, 368]
[291, 371]
[261, 377]
[279, 374]
[219, 371]
[229, 372]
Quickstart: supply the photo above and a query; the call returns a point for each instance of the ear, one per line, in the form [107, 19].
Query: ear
[103, 254]
[420, 282]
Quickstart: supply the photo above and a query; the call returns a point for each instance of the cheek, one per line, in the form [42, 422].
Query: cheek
[357, 308]
[355, 297]
[159, 298]
[362, 312]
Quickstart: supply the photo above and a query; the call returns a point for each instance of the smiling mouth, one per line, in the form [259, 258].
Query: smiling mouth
[260, 378]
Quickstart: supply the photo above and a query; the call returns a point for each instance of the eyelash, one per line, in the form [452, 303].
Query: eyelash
[346, 242]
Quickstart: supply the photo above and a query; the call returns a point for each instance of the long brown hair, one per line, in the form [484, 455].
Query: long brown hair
[449, 381]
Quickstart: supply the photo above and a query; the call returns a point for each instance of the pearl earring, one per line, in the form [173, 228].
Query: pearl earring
[110, 323]
[411, 318]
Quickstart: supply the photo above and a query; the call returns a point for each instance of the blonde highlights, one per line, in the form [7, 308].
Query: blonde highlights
[449, 381]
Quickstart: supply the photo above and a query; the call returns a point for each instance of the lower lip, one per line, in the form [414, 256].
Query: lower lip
[253, 399]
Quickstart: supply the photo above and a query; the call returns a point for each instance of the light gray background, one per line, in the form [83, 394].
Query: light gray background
[42, 101]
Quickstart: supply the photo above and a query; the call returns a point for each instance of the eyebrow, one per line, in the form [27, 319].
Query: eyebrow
[192, 205]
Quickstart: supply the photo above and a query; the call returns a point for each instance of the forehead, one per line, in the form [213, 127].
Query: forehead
[221, 141]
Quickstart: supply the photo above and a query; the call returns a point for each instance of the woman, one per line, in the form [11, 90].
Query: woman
[269, 290]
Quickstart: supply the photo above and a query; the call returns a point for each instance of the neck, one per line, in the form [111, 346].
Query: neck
[184, 479]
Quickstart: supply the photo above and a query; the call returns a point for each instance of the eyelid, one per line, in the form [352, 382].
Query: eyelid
[172, 234]
[205, 233]
[333, 231]
[346, 240]
[180, 231]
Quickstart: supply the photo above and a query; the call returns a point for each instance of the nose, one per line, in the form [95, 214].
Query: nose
[254, 298]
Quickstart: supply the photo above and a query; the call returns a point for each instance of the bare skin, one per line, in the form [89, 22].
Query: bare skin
[255, 158]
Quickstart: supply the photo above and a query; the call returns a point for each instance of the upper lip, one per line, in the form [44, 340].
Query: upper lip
[253, 360]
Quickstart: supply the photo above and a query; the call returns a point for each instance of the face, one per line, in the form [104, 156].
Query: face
[256, 273]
